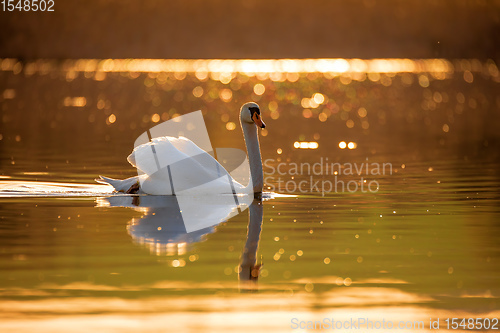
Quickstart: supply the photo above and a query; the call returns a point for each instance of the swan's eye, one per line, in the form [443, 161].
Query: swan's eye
[254, 109]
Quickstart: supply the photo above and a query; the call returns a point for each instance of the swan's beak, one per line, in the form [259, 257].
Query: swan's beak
[258, 121]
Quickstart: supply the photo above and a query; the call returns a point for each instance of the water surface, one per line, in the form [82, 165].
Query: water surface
[423, 245]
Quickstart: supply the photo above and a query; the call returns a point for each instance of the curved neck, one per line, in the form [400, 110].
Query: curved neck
[254, 159]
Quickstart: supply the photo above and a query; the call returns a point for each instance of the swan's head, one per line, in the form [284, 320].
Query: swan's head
[250, 113]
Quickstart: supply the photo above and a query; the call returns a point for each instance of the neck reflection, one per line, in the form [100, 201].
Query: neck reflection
[249, 268]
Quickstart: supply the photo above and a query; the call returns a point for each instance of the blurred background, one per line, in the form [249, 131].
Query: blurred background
[255, 29]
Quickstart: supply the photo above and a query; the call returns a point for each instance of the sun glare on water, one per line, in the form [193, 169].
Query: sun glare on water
[223, 68]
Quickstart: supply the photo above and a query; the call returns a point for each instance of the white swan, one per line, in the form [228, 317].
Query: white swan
[174, 166]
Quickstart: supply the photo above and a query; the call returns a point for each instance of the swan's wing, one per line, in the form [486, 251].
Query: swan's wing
[179, 166]
[163, 151]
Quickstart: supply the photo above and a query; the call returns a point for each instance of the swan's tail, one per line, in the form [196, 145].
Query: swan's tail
[119, 185]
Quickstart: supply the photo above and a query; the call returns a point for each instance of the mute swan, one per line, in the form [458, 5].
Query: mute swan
[176, 166]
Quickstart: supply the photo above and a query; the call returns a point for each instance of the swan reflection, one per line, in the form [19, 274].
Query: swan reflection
[249, 268]
[170, 220]
[170, 223]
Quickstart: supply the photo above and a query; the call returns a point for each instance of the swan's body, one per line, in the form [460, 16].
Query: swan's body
[175, 166]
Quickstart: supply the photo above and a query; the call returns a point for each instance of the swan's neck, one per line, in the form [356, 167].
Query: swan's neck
[253, 150]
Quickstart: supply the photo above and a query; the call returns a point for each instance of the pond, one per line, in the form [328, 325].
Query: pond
[382, 204]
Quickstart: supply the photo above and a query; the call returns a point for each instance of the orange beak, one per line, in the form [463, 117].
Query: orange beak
[258, 121]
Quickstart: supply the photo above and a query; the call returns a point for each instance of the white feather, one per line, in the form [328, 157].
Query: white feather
[169, 165]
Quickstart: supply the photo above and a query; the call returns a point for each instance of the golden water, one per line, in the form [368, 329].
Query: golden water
[425, 245]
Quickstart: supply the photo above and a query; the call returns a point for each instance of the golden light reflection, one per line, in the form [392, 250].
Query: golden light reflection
[201, 75]
[276, 70]
[292, 77]
[307, 113]
[155, 118]
[259, 89]
[75, 101]
[374, 76]
[178, 263]
[305, 145]
[247, 312]
[226, 95]
[111, 119]
[273, 106]
[352, 145]
[468, 76]
[318, 98]
[342, 145]
[253, 67]
[198, 91]
[423, 81]
[305, 103]
[275, 115]
[362, 112]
